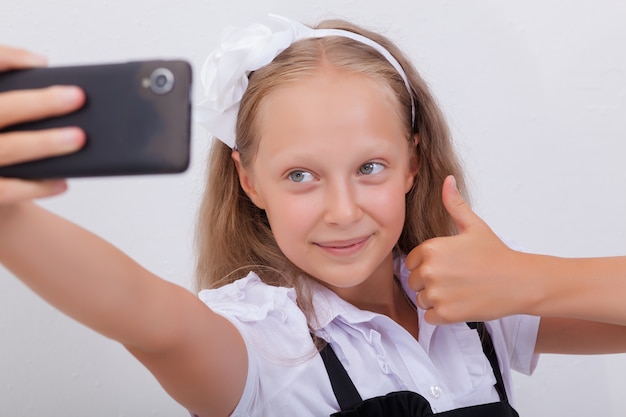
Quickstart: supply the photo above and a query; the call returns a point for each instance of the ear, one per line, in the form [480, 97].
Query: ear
[246, 179]
[413, 163]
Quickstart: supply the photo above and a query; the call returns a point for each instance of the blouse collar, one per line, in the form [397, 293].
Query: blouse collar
[329, 307]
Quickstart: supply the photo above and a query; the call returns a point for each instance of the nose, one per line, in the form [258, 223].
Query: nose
[342, 204]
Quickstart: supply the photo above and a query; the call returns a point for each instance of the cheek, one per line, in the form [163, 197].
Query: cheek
[388, 206]
[292, 221]
[290, 217]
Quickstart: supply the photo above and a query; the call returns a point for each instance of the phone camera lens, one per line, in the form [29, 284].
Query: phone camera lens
[161, 81]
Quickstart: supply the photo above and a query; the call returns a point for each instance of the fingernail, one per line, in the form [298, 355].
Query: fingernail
[72, 94]
[454, 183]
[58, 186]
[70, 138]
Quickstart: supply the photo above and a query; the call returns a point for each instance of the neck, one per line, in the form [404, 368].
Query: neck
[377, 293]
[382, 294]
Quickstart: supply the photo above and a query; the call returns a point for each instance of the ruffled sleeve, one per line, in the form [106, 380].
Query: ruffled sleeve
[274, 330]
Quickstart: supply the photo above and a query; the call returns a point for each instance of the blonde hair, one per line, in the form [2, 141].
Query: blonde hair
[234, 235]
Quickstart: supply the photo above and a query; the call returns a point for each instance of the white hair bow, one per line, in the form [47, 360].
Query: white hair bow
[224, 73]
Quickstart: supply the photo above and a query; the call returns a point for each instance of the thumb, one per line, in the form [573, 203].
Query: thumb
[456, 206]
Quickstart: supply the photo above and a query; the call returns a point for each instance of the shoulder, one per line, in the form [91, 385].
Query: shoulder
[276, 334]
[268, 317]
[249, 298]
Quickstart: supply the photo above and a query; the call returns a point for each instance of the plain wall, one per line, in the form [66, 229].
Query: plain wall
[535, 93]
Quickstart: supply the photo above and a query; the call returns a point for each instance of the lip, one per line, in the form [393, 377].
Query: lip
[344, 247]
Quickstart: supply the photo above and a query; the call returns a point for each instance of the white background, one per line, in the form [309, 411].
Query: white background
[535, 93]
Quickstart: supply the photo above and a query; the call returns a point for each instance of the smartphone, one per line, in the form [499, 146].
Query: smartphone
[137, 118]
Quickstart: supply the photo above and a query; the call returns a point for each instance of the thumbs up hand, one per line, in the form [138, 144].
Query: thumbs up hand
[466, 277]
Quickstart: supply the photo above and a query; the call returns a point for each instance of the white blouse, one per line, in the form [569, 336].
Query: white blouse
[286, 376]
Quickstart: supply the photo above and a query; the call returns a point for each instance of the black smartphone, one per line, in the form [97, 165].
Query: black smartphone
[137, 117]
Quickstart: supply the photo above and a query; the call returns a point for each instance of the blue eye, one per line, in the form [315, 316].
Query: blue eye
[370, 168]
[300, 176]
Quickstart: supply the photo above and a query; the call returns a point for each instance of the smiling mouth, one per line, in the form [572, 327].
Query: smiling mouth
[344, 247]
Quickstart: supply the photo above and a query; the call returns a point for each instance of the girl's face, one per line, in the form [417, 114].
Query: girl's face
[331, 173]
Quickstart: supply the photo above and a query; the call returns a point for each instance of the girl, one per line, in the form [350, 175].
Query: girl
[333, 157]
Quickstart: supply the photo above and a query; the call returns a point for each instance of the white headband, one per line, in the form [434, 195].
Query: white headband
[225, 72]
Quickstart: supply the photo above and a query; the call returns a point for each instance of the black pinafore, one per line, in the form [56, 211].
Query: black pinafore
[408, 403]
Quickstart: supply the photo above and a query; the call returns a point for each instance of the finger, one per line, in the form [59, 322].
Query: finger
[26, 105]
[16, 190]
[16, 58]
[422, 253]
[433, 318]
[422, 301]
[16, 147]
[414, 258]
[456, 206]
[416, 279]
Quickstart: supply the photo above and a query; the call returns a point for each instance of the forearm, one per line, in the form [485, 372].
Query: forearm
[78, 273]
[588, 289]
[197, 355]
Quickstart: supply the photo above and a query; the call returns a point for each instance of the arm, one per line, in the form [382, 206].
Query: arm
[584, 288]
[579, 337]
[198, 356]
[474, 276]
[163, 325]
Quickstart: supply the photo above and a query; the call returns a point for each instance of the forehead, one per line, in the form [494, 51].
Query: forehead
[328, 92]
[326, 108]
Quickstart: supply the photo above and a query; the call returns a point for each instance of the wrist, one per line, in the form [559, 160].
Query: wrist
[528, 277]
[548, 284]
[10, 218]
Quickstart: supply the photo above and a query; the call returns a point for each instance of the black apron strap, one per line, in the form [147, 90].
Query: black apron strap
[490, 353]
[349, 398]
[346, 393]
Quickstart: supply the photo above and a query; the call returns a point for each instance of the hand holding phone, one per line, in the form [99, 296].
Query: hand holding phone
[136, 118]
[21, 106]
